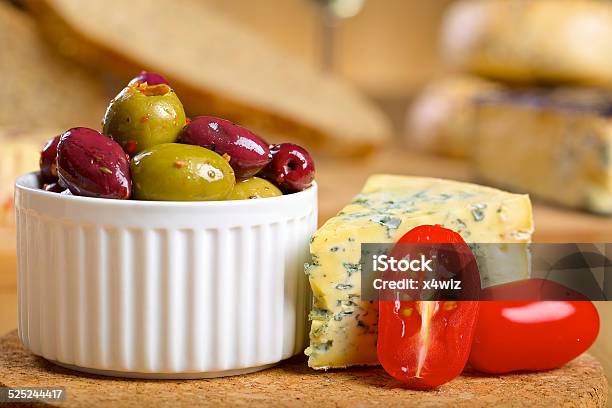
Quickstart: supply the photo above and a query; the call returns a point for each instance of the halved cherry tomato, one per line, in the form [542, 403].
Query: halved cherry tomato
[427, 343]
[531, 336]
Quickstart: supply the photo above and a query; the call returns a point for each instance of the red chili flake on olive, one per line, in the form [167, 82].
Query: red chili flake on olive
[54, 188]
[131, 146]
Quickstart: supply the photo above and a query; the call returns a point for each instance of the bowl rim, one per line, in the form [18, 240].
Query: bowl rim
[21, 185]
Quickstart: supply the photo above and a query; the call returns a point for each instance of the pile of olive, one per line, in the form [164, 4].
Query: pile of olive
[149, 150]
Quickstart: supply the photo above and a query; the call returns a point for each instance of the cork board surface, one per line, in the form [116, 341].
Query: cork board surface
[580, 383]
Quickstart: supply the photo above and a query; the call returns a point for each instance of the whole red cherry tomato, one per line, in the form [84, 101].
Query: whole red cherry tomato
[527, 335]
[425, 344]
[535, 289]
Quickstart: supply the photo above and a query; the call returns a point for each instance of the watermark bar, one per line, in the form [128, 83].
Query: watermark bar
[32, 394]
[489, 271]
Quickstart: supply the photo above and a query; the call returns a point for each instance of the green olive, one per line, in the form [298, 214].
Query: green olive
[178, 172]
[142, 116]
[254, 187]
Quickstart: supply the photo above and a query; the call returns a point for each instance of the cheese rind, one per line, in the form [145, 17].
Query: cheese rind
[554, 145]
[344, 328]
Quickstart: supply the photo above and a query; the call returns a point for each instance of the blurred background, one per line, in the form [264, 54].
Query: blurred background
[369, 86]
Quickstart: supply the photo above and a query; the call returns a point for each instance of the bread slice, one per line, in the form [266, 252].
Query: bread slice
[555, 145]
[441, 119]
[551, 41]
[217, 67]
[39, 88]
[19, 154]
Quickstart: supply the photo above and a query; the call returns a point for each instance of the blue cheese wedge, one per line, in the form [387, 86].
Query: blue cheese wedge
[344, 328]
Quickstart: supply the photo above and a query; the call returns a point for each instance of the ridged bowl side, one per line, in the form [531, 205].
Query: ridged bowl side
[151, 298]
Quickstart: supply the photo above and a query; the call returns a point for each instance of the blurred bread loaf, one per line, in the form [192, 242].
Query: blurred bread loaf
[39, 88]
[20, 154]
[552, 41]
[218, 67]
[553, 144]
[441, 118]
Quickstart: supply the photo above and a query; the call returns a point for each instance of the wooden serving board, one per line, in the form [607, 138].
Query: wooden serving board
[580, 383]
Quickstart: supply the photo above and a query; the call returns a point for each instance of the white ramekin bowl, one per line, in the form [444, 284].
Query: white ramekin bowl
[162, 289]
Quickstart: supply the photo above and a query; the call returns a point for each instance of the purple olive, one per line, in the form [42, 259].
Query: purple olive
[248, 153]
[91, 164]
[48, 161]
[291, 168]
[151, 78]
